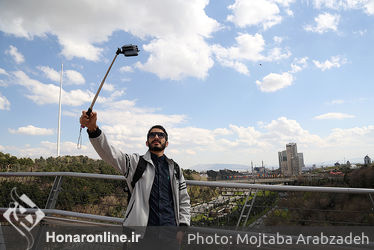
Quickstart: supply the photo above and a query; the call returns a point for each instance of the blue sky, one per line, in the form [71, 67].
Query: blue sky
[232, 81]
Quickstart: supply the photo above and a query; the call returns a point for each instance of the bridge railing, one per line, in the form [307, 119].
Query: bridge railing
[101, 198]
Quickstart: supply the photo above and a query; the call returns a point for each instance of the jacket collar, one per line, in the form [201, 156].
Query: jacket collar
[148, 158]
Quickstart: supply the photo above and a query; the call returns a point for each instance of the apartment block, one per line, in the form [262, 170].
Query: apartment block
[290, 161]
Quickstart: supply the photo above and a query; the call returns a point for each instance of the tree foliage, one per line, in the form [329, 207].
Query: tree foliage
[77, 194]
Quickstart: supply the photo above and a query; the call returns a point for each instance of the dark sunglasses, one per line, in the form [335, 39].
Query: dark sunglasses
[160, 135]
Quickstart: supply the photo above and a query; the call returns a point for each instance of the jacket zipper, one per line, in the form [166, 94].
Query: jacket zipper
[173, 189]
[130, 209]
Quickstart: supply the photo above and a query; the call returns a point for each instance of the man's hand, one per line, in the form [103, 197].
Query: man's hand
[89, 122]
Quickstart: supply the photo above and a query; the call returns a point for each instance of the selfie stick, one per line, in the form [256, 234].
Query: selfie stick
[126, 50]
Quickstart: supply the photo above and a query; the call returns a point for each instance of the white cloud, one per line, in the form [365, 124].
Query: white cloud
[333, 115]
[356, 138]
[338, 101]
[274, 82]
[71, 76]
[289, 12]
[114, 95]
[126, 69]
[246, 135]
[324, 22]
[247, 48]
[3, 83]
[222, 131]
[130, 115]
[224, 58]
[351, 101]
[369, 7]
[334, 62]
[125, 79]
[190, 152]
[183, 57]
[50, 73]
[260, 12]
[17, 56]
[199, 137]
[285, 127]
[277, 54]
[178, 30]
[278, 39]
[4, 103]
[108, 87]
[332, 4]
[285, 3]
[126, 126]
[366, 5]
[32, 130]
[284, 130]
[74, 77]
[47, 149]
[360, 32]
[68, 148]
[3, 72]
[73, 47]
[238, 66]
[299, 64]
[42, 93]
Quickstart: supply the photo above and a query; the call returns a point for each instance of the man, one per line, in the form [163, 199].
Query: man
[158, 198]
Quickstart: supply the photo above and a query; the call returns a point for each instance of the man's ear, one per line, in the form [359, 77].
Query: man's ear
[146, 143]
[167, 144]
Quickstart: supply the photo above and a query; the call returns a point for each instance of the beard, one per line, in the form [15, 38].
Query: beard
[157, 148]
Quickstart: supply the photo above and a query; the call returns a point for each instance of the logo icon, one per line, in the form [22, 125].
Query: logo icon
[15, 214]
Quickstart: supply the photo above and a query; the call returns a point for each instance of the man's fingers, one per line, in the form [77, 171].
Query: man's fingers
[86, 120]
[83, 121]
[84, 114]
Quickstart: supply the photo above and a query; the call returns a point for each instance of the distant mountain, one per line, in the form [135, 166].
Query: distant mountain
[242, 167]
[205, 167]
[356, 160]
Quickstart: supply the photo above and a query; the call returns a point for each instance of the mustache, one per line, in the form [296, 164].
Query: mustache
[156, 141]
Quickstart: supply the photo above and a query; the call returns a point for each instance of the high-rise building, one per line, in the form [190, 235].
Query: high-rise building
[291, 162]
[282, 156]
[301, 160]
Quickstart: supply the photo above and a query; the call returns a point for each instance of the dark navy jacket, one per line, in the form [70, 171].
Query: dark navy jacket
[161, 207]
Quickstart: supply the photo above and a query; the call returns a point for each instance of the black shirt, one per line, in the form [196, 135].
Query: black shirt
[161, 205]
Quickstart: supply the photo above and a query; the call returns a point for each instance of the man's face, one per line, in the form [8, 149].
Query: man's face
[157, 140]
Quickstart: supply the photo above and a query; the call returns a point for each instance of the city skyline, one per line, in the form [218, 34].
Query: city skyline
[232, 81]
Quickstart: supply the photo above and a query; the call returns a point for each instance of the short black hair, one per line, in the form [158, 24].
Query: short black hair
[159, 127]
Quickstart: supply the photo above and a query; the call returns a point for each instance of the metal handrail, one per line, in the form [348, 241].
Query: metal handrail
[69, 174]
[94, 219]
[76, 217]
[73, 214]
[205, 183]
